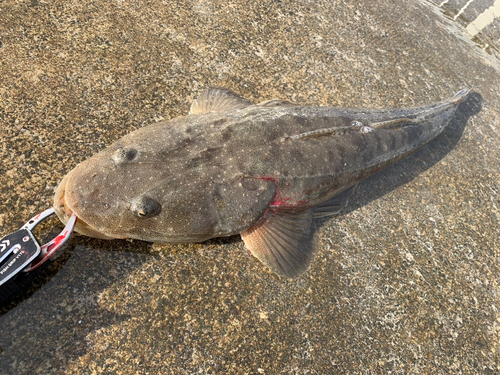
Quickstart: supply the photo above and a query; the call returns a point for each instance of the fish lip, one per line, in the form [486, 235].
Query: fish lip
[60, 207]
[64, 210]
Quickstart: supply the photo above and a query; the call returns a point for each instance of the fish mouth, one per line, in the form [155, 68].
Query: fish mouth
[64, 206]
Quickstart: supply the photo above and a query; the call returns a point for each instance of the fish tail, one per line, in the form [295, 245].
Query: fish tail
[462, 94]
[441, 113]
[431, 119]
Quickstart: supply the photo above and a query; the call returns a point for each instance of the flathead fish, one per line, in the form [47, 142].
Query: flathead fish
[264, 171]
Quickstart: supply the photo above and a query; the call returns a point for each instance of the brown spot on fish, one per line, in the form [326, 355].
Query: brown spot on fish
[220, 122]
[209, 154]
[194, 163]
[227, 134]
[296, 155]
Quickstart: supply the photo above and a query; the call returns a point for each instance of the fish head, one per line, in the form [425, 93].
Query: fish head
[99, 194]
[129, 191]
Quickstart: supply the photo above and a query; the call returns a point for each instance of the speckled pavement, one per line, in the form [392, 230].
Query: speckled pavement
[406, 281]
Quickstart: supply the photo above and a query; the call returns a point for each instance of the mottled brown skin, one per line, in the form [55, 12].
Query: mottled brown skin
[219, 173]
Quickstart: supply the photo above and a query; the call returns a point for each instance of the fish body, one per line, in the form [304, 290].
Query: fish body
[264, 171]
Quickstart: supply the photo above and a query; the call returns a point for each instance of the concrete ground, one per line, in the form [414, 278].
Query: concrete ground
[406, 281]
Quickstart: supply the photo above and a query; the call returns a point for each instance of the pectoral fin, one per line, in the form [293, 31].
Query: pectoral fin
[218, 100]
[284, 241]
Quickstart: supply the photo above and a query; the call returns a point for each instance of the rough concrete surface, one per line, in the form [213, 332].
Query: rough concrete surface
[406, 281]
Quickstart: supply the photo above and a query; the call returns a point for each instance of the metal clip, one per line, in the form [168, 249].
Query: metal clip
[20, 251]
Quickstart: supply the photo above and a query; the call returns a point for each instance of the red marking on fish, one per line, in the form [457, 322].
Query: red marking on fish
[279, 201]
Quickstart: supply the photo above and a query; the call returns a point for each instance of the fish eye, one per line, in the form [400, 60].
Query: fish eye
[145, 207]
[124, 155]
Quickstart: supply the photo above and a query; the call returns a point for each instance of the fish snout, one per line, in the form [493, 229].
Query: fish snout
[66, 204]
[63, 212]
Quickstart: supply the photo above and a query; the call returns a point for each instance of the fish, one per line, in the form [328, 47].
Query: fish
[265, 171]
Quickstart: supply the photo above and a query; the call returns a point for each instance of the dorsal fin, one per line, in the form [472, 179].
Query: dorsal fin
[216, 99]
